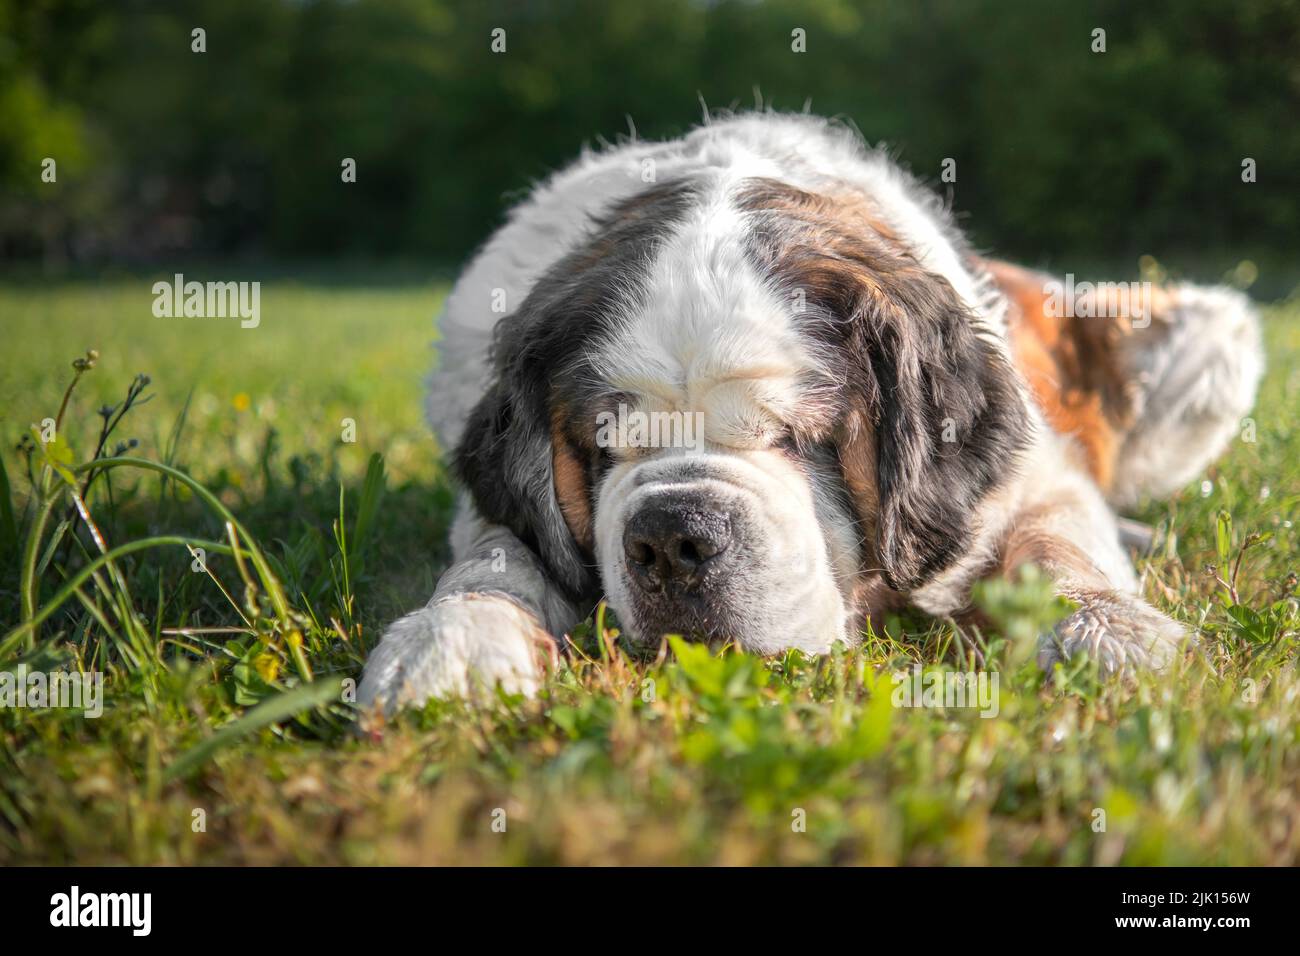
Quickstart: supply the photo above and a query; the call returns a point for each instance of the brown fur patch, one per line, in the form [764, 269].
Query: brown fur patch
[857, 450]
[571, 488]
[1030, 542]
[856, 444]
[1071, 364]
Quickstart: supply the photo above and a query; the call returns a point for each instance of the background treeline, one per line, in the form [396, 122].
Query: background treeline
[1062, 154]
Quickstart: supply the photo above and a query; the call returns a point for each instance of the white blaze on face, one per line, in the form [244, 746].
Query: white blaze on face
[711, 337]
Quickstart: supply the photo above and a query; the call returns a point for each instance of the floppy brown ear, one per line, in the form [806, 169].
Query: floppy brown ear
[948, 414]
[508, 462]
[932, 414]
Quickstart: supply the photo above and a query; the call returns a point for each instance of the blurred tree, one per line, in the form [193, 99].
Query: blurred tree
[1062, 154]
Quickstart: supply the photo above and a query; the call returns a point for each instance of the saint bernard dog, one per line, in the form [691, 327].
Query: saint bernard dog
[884, 417]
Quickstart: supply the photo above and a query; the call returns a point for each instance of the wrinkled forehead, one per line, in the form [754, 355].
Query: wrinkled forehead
[705, 328]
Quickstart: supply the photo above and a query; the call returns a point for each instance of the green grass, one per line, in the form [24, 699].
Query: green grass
[694, 759]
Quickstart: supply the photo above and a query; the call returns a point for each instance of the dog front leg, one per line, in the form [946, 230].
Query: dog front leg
[493, 619]
[1074, 538]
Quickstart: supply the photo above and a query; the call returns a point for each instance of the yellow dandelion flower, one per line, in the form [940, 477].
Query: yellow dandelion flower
[267, 666]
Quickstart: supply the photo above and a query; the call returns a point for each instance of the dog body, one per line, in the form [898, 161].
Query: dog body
[860, 414]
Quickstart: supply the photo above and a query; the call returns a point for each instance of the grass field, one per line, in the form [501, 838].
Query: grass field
[226, 736]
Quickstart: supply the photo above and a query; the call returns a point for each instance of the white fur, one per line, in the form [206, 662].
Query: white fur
[1120, 632]
[1197, 369]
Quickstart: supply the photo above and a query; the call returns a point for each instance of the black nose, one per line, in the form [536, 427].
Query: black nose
[674, 544]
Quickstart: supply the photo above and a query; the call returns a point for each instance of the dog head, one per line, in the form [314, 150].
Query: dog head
[743, 411]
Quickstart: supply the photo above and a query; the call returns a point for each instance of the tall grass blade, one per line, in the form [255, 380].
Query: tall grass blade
[281, 707]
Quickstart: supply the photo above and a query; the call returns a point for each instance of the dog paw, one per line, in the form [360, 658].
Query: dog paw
[1122, 634]
[456, 647]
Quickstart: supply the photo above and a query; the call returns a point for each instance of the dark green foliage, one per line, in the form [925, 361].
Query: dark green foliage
[1063, 156]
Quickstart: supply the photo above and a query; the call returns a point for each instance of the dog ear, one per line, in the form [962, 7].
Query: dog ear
[948, 416]
[516, 473]
[508, 457]
[932, 415]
